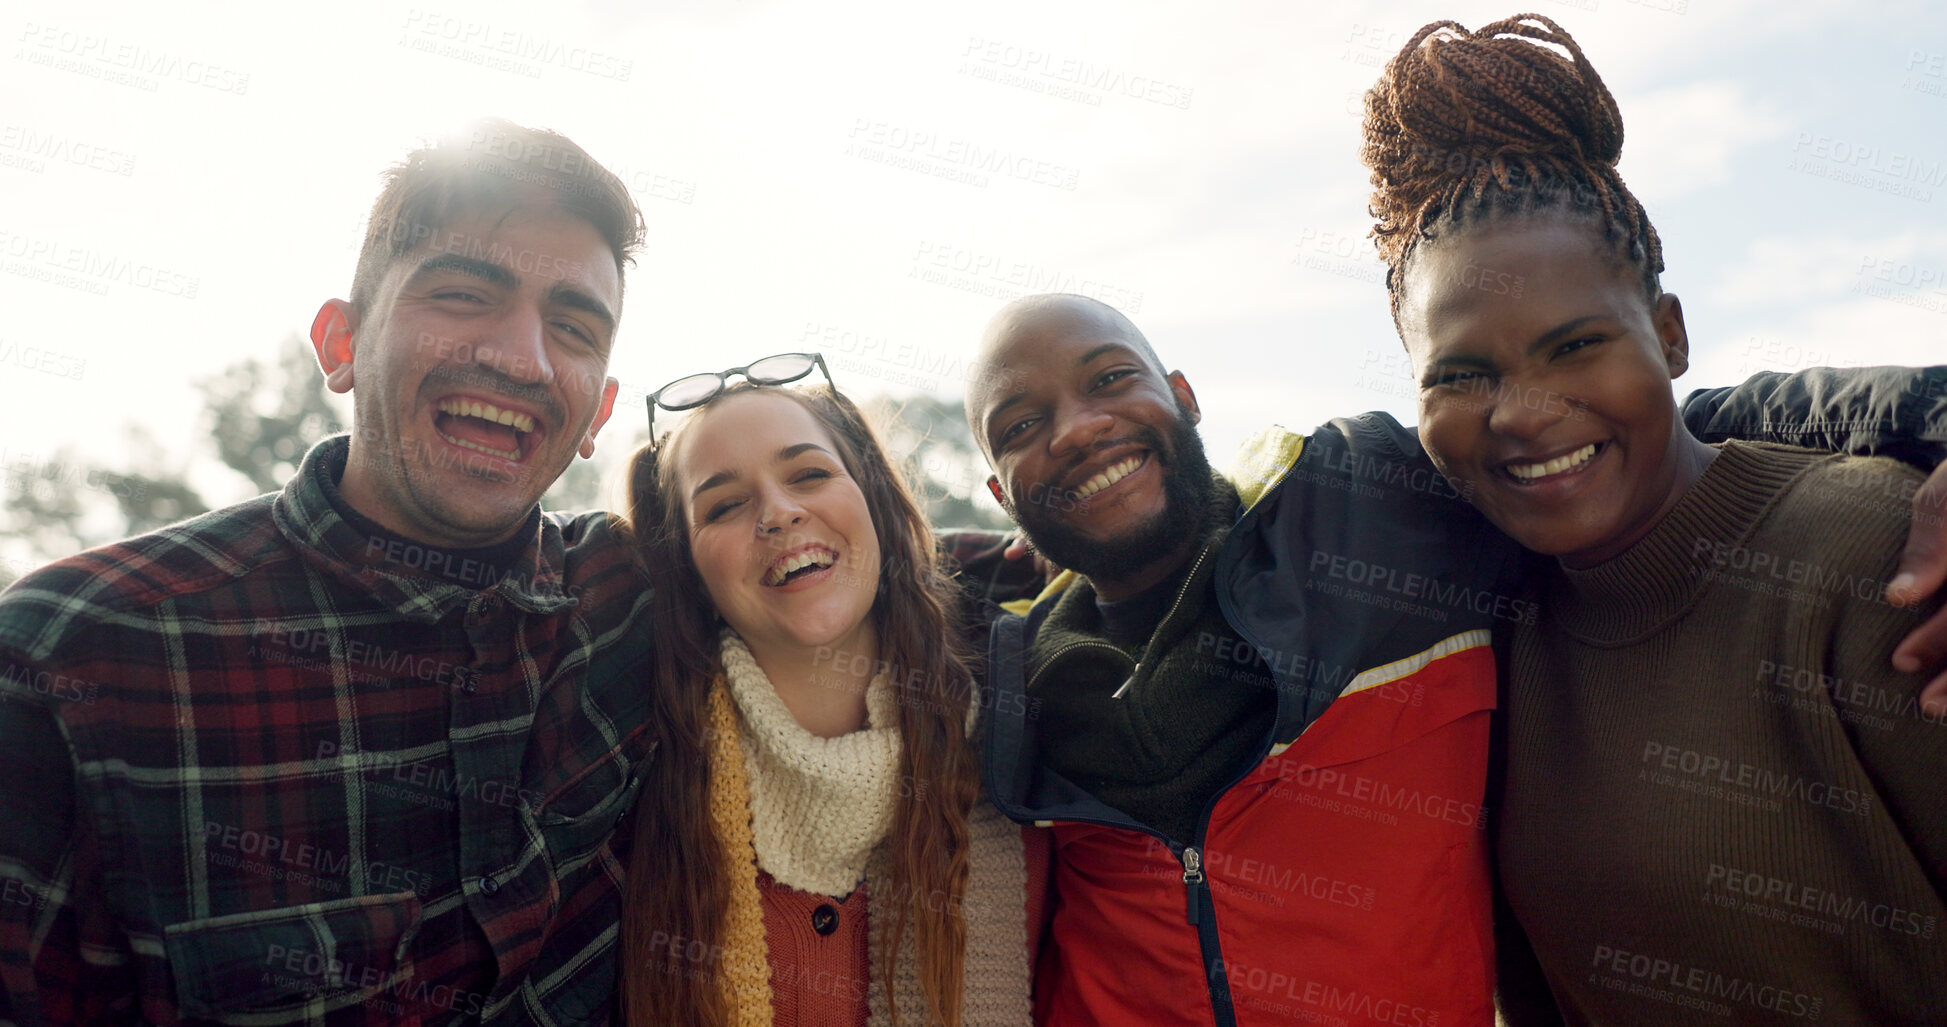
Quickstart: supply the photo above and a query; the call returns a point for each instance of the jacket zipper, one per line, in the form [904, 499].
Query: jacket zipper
[1181, 594]
[1195, 885]
[1193, 882]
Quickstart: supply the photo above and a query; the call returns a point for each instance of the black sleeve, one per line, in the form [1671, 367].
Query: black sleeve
[1899, 412]
[974, 558]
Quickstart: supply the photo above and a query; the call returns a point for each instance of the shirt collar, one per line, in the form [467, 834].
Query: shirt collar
[395, 574]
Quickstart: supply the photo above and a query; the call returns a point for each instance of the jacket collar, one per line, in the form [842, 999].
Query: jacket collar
[1074, 618]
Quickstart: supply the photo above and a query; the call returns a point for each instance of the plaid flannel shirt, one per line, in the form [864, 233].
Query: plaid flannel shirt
[261, 768]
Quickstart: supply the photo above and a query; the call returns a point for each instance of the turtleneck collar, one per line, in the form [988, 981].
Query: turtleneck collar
[1620, 601]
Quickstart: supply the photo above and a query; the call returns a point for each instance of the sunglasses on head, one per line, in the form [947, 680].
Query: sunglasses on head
[692, 391]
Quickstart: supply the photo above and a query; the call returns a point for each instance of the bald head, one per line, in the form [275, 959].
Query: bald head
[1036, 324]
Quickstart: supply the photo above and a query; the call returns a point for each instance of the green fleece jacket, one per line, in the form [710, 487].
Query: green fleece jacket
[1185, 725]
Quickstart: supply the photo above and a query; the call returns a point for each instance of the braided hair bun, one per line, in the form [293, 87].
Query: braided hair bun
[1464, 125]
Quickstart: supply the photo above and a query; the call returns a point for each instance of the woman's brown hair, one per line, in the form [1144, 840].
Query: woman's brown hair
[1463, 127]
[679, 875]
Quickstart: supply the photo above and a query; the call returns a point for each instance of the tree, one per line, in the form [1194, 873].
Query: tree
[265, 417]
[949, 474]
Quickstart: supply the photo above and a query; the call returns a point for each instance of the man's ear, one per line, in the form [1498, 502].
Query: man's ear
[331, 337]
[601, 417]
[994, 486]
[1184, 394]
[1670, 333]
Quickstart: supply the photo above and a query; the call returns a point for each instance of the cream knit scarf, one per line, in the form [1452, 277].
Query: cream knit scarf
[770, 790]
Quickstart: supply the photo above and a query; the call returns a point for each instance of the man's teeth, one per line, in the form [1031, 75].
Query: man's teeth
[505, 454]
[487, 412]
[1108, 477]
[783, 568]
[1528, 472]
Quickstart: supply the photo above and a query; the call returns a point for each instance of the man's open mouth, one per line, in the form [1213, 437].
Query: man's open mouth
[478, 425]
[1110, 475]
[793, 566]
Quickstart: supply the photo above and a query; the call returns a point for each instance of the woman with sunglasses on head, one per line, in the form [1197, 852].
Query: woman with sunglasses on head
[812, 847]
[1720, 799]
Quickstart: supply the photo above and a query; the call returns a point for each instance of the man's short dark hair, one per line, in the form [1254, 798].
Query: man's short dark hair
[492, 165]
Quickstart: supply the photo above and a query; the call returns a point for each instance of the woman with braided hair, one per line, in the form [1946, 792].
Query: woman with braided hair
[1720, 801]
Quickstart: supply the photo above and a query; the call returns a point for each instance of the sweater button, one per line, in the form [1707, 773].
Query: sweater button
[824, 919]
[488, 886]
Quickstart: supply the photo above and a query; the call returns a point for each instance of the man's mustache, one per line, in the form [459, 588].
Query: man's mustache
[1149, 438]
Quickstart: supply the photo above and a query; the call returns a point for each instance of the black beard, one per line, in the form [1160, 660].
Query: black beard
[1187, 494]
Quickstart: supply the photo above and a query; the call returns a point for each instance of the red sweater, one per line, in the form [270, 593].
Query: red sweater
[821, 979]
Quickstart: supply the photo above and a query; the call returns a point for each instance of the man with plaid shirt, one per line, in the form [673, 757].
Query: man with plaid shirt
[335, 755]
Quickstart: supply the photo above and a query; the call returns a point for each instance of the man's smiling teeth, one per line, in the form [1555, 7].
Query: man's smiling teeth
[504, 454]
[809, 558]
[1108, 477]
[1529, 472]
[486, 412]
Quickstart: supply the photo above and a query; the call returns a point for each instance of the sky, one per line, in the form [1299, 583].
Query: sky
[181, 185]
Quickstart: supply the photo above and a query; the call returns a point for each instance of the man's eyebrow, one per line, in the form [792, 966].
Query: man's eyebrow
[1099, 350]
[569, 296]
[994, 414]
[486, 271]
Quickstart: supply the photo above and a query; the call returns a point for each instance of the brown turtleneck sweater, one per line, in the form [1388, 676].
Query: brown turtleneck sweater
[1722, 804]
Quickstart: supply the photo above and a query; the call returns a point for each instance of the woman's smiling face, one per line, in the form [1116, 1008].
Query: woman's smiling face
[1545, 383]
[778, 529]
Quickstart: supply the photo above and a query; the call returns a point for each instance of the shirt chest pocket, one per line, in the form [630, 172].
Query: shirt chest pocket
[580, 815]
[342, 961]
